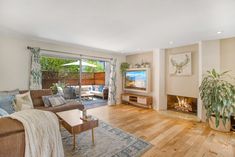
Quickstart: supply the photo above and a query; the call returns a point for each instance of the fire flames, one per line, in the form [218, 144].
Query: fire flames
[183, 104]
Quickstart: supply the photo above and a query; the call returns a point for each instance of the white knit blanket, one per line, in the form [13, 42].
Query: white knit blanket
[42, 133]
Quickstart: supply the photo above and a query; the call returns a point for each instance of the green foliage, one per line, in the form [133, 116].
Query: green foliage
[99, 66]
[55, 64]
[124, 66]
[218, 96]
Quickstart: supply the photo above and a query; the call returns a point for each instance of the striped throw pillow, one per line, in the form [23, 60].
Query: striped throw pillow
[57, 100]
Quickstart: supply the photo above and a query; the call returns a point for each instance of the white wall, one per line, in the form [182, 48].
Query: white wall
[209, 58]
[159, 90]
[15, 59]
[227, 51]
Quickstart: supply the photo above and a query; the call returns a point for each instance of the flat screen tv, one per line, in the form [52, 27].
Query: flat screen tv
[137, 80]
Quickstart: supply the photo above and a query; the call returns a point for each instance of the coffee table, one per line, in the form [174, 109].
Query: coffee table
[72, 122]
[87, 95]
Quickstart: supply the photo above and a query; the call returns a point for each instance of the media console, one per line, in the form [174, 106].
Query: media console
[137, 100]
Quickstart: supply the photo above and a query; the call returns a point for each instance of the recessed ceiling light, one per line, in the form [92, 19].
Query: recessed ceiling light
[171, 42]
[219, 32]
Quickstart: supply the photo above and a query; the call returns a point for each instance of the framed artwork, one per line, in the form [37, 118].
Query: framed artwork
[180, 64]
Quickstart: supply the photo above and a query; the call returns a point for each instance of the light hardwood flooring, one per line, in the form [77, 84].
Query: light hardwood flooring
[171, 137]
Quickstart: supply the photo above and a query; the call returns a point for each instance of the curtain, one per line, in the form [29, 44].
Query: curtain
[112, 83]
[35, 81]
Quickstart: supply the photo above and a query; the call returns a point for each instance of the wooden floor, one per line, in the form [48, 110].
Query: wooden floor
[171, 137]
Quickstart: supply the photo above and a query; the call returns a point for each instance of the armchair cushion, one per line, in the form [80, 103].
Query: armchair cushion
[7, 103]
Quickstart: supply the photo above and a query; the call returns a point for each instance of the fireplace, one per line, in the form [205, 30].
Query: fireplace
[182, 104]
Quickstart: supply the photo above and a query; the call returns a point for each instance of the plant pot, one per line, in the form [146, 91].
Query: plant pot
[221, 127]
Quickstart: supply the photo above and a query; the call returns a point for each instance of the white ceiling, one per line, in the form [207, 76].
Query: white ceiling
[121, 25]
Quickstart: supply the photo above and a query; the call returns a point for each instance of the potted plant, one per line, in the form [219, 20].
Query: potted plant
[124, 66]
[55, 86]
[218, 97]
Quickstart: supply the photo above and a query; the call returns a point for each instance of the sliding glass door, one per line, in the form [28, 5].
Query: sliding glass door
[76, 79]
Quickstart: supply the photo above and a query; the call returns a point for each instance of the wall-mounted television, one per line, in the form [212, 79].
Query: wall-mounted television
[137, 80]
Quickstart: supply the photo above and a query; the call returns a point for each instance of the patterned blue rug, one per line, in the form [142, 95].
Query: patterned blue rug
[109, 142]
[96, 102]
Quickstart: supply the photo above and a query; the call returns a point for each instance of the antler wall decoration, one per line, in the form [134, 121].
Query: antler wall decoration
[180, 64]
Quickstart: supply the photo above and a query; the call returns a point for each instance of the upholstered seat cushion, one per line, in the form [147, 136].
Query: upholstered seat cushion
[97, 93]
[68, 106]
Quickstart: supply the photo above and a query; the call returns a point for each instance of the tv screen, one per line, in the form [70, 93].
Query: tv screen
[136, 79]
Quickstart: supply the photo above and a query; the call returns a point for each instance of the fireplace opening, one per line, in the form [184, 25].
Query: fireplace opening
[182, 104]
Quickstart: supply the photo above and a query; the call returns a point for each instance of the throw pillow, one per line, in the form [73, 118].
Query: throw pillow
[3, 112]
[96, 88]
[101, 88]
[69, 93]
[56, 100]
[26, 107]
[23, 99]
[7, 103]
[46, 100]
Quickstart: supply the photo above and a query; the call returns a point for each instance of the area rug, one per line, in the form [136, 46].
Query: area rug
[96, 102]
[109, 142]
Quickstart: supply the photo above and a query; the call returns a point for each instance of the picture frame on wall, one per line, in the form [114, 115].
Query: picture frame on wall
[180, 64]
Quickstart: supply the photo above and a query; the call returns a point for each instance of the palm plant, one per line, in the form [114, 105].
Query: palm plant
[218, 96]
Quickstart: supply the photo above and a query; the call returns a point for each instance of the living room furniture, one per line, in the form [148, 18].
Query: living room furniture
[87, 96]
[72, 122]
[97, 90]
[36, 96]
[137, 100]
[103, 93]
[12, 136]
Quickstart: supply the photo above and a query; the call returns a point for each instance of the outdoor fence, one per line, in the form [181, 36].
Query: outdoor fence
[88, 78]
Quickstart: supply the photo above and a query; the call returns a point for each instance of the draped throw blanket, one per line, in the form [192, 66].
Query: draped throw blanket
[42, 133]
[35, 71]
[112, 83]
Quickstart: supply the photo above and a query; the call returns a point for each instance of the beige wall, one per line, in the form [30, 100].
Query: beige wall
[139, 58]
[183, 85]
[227, 52]
[15, 59]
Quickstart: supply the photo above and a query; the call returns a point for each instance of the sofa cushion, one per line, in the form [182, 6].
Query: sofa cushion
[69, 93]
[101, 87]
[7, 103]
[46, 101]
[97, 93]
[3, 112]
[95, 88]
[36, 96]
[23, 101]
[86, 88]
[68, 106]
[56, 100]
